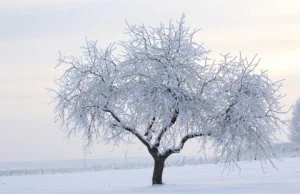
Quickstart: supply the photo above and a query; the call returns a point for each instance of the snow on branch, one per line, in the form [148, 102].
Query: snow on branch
[164, 90]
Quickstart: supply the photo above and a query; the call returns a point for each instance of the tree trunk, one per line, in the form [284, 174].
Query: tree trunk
[157, 172]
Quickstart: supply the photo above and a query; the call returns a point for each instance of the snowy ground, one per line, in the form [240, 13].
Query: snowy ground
[201, 179]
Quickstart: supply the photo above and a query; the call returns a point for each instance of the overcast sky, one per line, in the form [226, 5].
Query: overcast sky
[33, 31]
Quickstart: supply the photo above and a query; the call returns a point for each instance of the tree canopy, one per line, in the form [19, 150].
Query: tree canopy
[164, 90]
[295, 123]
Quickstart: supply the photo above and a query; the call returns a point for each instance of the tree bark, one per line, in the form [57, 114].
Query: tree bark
[157, 172]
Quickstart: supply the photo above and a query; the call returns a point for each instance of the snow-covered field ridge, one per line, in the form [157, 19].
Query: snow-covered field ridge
[282, 150]
[74, 166]
[200, 179]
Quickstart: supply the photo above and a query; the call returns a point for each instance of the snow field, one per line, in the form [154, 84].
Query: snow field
[204, 179]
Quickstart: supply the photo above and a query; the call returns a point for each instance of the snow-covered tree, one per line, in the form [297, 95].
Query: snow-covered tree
[295, 123]
[163, 91]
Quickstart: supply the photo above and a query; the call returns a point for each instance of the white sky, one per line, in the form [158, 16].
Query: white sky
[33, 31]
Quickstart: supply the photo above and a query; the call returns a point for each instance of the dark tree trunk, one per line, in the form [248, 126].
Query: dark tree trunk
[157, 172]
